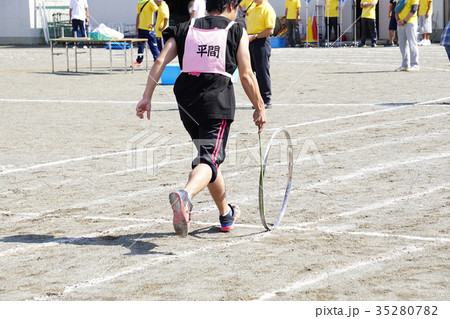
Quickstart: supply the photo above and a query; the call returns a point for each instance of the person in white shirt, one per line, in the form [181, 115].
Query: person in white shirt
[79, 14]
[198, 9]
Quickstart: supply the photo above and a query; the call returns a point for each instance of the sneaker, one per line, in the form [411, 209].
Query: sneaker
[137, 64]
[362, 45]
[413, 68]
[182, 207]
[373, 45]
[268, 106]
[426, 42]
[402, 68]
[389, 44]
[227, 222]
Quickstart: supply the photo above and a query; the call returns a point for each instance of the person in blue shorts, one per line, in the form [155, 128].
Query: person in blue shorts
[392, 23]
[209, 49]
[445, 39]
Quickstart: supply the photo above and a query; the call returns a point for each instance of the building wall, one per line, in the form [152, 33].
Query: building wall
[20, 23]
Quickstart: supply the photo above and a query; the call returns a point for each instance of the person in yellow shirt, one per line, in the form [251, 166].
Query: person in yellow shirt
[246, 7]
[425, 23]
[292, 14]
[368, 23]
[407, 39]
[145, 29]
[162, 22]
[331, 19]
[261, 22]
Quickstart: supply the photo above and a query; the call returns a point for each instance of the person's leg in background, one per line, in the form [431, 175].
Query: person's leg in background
[153, 45]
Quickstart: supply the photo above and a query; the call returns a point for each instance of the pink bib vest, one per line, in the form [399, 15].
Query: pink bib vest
[205, 50]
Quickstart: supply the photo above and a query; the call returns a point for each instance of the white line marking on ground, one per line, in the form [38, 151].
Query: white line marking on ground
[105, 278]
[90, 157]
[298, 226]
[72, 240]
[384, 235]
[341, 178]
[363, 266]
[376, 205]
[362, 128]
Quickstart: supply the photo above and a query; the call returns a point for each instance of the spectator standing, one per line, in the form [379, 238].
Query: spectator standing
[425, 21]
[407, 38]
[246, 7]
[261, 22]
[445, 39]
[79, 15]
[292, 14]
[331, 19]
[145, 29]
[162, 22]
[392, 23]
[198, 9]
[368, 22]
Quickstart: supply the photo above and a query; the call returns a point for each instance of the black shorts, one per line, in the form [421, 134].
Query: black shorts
[393, 23]
[210, 139]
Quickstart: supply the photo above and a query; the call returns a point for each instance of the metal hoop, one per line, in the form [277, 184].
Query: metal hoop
[289, 179]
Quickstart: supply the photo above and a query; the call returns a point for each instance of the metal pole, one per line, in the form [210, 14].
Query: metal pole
[146, 48]
[307, 25]
[339, 27]
[110, 56]
[327, 9]
[67, 55]
[354, 23]
[53, 62]
[125, 54]
[76, 57]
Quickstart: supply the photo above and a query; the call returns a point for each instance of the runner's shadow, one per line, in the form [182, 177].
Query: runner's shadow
[136, 243]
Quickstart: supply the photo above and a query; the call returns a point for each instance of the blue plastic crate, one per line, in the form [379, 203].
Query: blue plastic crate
[118, 46]
[278, 42]
[170, 74]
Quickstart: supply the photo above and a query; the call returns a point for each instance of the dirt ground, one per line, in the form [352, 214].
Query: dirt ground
[84, 184]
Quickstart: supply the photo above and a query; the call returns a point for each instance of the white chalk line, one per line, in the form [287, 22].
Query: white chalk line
[141, 267]
[91, 157]
[370, 63]
[100, 201]
[381, 144]
[56, 241]
[385, 235]
[295, 286]
[359, 173]
[362, 266]
[127, 196]
[362, 128]
[47, 101]
[298, 226]
[373, 206]
[150, 263]
[174, 103]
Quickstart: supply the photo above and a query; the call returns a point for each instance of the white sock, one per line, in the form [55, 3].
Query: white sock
[229, 213]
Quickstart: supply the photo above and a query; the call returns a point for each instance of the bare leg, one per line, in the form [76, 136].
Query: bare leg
[199, 179]
[218, 193]
[391, 36]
